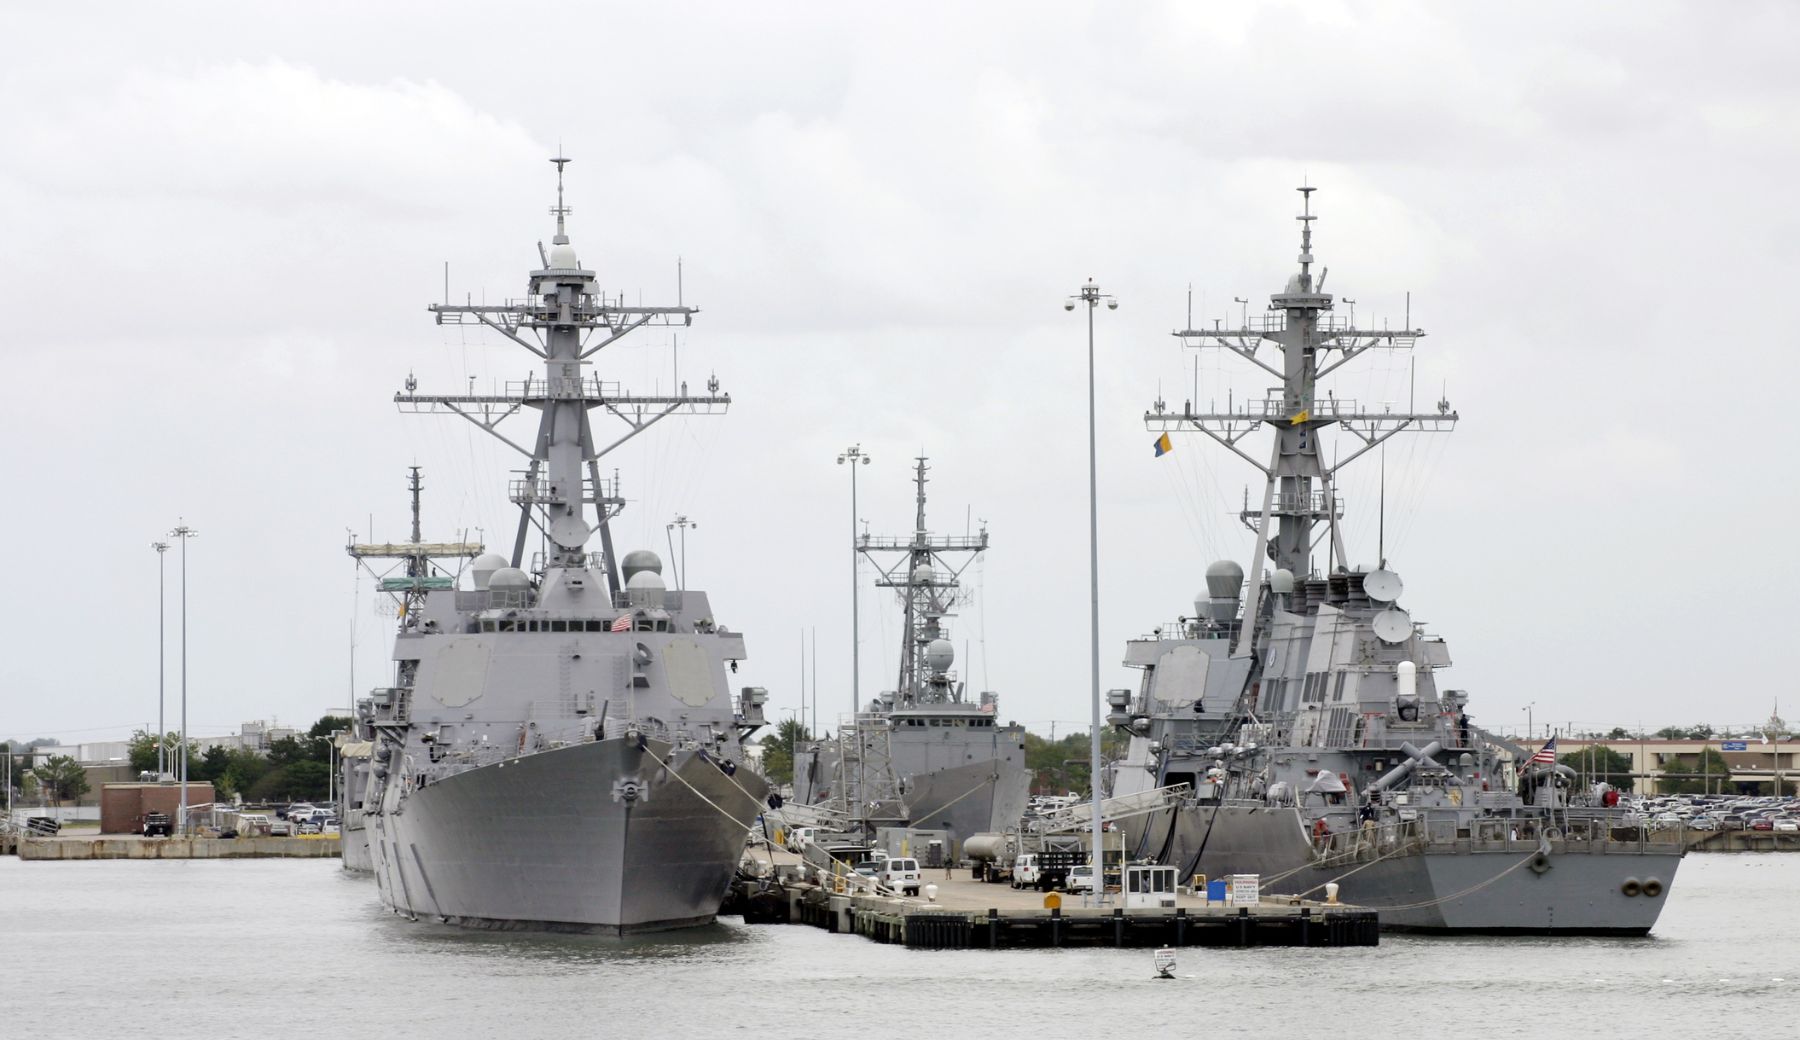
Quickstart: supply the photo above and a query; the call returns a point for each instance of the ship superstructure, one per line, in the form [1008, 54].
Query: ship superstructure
[1305, 705]
[559, 748]
[421, 566]
[924, 755]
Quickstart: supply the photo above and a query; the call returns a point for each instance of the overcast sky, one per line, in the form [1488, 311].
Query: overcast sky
[223, 222]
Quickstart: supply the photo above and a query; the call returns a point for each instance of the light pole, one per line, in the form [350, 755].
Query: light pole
[183, 532]
[1528, 726]
[854, 456]
[1091, 295]
[162, 733]
[684, 523]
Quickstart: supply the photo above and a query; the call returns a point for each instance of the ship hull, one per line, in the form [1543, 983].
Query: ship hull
[354, 841]
[1574, 889]
[969, 799]
[595, 837]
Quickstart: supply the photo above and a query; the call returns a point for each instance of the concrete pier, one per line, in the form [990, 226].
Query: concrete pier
[966, 913]
[114, 846]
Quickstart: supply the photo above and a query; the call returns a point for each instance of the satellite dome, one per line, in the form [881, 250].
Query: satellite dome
[1293, 286]
[1224, 579]
[509, 578]
[640, 560]
[482, 568]
[562, 257]
[1281, 582]
[939, 655]
[921, 574]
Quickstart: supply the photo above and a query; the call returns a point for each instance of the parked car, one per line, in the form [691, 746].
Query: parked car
[1762, 823]
[798, 839]
[288, 813]
[901, 873]
[281, 829]
[157, 825]
[1787, 824]
[1081, 878]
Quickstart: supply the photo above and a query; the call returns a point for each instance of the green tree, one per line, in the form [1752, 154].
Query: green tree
[1618, 733]
[287, 751]
[62, 778]
[1703, 731]
[141, 753]
[243, 768]
[1706, 771]
[298, 780]
[212, 765]
[1600, 764]
[1063, 765]
[328, 725]
[778, 750]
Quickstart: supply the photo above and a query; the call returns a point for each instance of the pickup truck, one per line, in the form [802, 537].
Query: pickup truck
[1046, 870]
[157, 825]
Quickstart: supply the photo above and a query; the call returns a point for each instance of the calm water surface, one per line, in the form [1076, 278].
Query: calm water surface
[270, 948]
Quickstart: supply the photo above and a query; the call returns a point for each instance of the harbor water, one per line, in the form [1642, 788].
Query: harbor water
[279, 948]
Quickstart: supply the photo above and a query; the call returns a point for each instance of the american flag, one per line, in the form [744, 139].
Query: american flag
[622, 623]
[1546, 754]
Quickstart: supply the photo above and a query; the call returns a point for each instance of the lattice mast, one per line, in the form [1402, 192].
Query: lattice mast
[924, 572]
[565, 319]
[1298, 495]
[418, 558]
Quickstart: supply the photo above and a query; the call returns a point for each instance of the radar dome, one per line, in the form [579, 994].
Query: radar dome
[1224, 579]
[562, 257]
[482, 568]
[640, 560]
[645, 589]
[921, 574]
[509, 578]
[1281, 583]
[939, 655]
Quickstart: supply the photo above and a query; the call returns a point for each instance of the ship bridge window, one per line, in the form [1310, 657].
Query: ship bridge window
[560, 626]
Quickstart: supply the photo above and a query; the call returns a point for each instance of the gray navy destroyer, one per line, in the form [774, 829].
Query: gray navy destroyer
[1305, 709]
[559, 748]
[924, 755]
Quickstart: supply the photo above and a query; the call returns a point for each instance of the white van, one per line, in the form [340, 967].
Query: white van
[902, 875]
[1025, 870]
[799, 838]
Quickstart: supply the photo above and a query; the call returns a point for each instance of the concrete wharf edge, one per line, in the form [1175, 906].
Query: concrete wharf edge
[130, 847]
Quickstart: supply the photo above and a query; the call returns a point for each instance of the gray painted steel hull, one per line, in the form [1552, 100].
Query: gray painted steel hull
[354, 841]
[1448, 889]
[969, 799]
[549, 841]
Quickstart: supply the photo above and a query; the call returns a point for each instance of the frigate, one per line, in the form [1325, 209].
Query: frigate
[1305, 707]
[559, 748]
[923, 755]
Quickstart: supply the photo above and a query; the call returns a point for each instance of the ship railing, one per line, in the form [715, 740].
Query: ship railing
[1079, 816]
[1521, 831]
